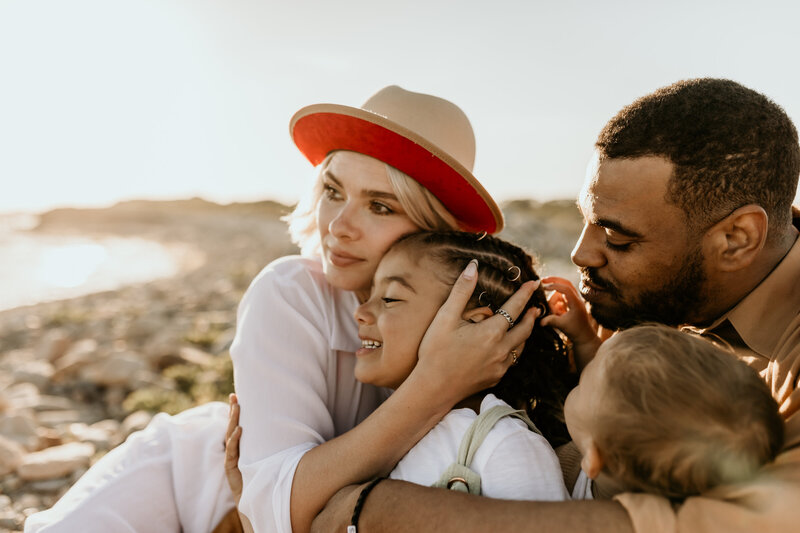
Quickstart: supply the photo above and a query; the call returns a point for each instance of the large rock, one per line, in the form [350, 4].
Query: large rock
[11, 453]
[116, 369]
[37, 372]
[21, 429]
[22, 395]
[47, 402]
[64, 417]
[134, 422]
[78, 356]
[98, 436]
[53, 345]
[55, 462]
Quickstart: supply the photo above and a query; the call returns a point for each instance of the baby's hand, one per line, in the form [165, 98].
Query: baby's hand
[569, 314]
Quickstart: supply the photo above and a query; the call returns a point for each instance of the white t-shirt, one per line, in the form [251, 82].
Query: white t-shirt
[514, 463]
[583, 487]
[293, 369]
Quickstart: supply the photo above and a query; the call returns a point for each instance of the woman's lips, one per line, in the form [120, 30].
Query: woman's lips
[341, 259]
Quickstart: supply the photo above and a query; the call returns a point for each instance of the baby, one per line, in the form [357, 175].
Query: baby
[664, 411]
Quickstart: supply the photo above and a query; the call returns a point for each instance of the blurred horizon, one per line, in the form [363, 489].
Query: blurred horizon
[104, 102]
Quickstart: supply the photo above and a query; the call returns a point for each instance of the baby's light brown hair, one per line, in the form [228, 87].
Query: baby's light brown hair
[681, 415]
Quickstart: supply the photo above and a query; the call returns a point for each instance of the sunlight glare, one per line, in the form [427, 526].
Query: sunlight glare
[70, 265]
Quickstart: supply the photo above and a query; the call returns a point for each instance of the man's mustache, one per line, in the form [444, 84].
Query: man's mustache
[590, 274]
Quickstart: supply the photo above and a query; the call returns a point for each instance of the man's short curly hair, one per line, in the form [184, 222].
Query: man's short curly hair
[730, 145]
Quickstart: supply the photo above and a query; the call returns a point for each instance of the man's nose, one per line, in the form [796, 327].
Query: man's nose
[588, 251]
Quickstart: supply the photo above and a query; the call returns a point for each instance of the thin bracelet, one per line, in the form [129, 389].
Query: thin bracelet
[360, 503]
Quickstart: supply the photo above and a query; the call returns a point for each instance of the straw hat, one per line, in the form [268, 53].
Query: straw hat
[428, 138]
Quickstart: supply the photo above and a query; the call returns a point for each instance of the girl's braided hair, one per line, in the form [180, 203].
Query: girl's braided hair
[541, 379]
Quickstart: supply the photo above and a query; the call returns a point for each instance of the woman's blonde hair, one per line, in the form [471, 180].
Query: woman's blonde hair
[421, 206]
[681, 415]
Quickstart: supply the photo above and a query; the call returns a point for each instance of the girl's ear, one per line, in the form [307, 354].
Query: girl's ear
[477, 314]
[592, 461]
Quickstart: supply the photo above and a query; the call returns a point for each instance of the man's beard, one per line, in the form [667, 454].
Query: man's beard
[671, 303]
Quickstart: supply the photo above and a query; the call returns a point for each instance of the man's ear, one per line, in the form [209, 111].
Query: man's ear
[734, 242]
[477, 314]
[592, 461]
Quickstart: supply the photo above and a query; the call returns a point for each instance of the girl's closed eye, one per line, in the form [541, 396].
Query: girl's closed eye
[386, 300]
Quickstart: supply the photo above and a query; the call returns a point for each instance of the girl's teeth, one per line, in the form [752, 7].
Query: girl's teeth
[370, 344]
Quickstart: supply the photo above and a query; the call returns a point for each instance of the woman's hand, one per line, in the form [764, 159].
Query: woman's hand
[569, 314]
[459, 358]
[232, 436]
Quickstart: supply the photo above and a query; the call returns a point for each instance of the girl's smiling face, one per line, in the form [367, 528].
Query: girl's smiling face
[406, 294]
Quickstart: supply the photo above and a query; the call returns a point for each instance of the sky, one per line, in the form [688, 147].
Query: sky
[107, 100]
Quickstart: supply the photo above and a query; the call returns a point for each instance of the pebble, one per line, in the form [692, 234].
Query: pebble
[55, 462]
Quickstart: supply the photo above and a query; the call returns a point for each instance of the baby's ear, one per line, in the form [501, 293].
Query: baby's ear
[477, 314]
[592, 462]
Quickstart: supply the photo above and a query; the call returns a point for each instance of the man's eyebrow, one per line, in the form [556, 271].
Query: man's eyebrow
[618, 227]
[369, 192]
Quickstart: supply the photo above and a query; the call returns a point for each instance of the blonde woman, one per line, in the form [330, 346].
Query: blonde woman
[399, 164]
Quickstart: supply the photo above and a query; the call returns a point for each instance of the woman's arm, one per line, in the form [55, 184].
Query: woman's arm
[283, 378]
[440, 380]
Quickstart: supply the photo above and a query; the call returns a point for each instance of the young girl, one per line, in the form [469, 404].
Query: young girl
[510, 458]
[644, 416]
[411, 283]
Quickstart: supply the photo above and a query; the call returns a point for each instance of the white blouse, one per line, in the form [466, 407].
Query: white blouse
[514, 463]
[293, 370]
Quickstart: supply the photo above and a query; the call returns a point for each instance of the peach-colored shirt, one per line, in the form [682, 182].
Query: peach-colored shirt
[764, 329]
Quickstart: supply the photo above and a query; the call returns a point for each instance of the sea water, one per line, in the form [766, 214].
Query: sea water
[38, 267]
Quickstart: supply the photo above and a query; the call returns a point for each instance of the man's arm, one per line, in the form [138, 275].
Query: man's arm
[398, 506]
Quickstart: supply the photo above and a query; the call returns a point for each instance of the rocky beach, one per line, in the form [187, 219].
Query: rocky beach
[77, 376]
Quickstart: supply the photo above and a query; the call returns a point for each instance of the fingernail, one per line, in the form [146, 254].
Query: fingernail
[536, 284]
[472, 270]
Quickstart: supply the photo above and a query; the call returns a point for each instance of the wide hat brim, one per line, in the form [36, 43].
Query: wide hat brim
[320, 129]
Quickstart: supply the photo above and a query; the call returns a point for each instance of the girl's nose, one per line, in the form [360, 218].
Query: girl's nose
[363, 314]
